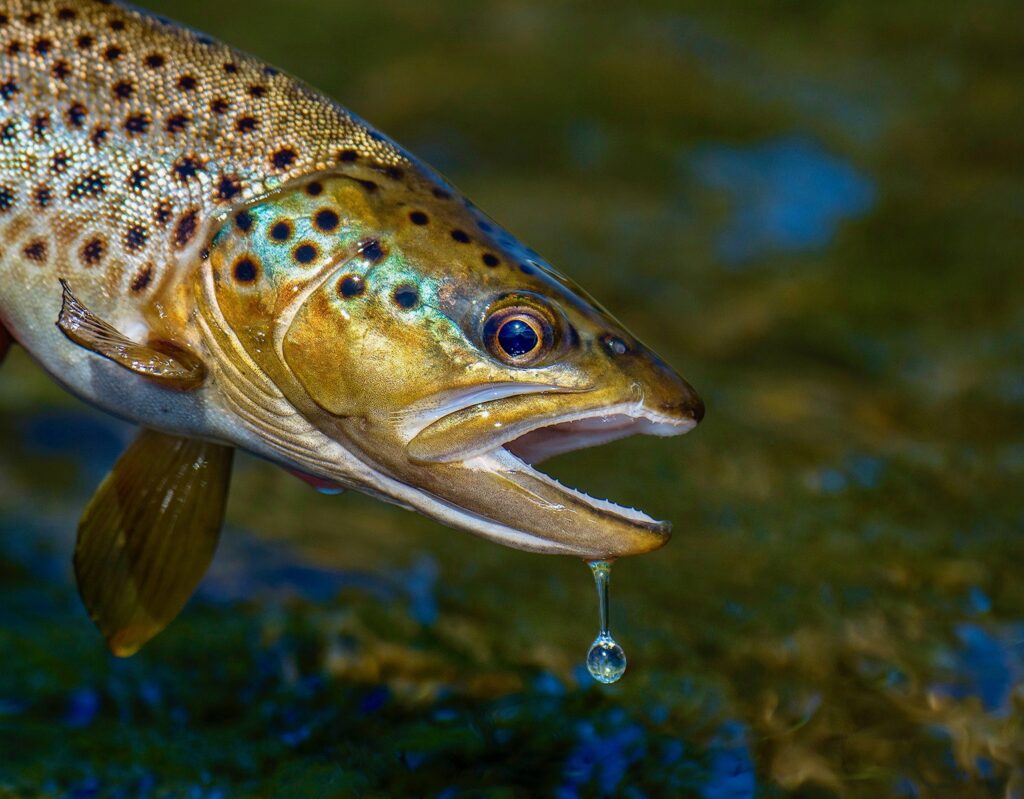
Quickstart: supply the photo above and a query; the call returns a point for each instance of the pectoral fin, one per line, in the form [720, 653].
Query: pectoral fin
[149, 534]
[5, 343]
[161, 361]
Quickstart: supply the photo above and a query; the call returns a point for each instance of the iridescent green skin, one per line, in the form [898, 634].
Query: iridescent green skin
[395, 389]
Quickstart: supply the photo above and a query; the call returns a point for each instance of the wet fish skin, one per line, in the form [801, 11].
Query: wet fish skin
[198, 201]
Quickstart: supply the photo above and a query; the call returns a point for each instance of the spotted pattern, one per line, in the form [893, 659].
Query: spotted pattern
[128, 132]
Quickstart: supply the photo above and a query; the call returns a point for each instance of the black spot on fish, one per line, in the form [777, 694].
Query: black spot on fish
[305, 253]
[406, 297]
[99, 135]
[419, 218]
[231, 68]
[92, 184]
[61, 70]
[155, 61]
[8, 90]
[137, 124]
[66, 14]
[135, 238]
[187, 168]
[245, 270]
[490, 259]
[244, 221]
[43, 196]
[85, 42]
[326, 221]
[163, 212]
[219, 105]
[281, 231]
[372, 251]
[315, 189]
[461, 236]
[246, 124]
[42, 47]
[139, 178]
[348, 155]
[77, 114]
[177, 123]
[351, 286]
[40, 125]
[187, 83]
[186, 228]
[92, 251]
[113, 53]
[9, 132]
[229, 188]
[441, 194]
[142, 279]
[123, 89]
[283, 158]
[257, 91]
[36, 250]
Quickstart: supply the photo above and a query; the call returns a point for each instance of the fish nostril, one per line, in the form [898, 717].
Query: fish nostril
[614, 345]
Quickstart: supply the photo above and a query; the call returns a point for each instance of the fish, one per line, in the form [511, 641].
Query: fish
[198, 243]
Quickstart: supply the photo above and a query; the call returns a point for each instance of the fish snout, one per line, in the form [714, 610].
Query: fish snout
[664, 392]
[684, 404]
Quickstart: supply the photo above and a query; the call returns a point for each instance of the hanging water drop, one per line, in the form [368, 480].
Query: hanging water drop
[606, 660]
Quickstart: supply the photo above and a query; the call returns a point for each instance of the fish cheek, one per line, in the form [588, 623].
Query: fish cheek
[353, 358]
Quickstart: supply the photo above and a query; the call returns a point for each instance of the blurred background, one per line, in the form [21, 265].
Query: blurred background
[815, 211]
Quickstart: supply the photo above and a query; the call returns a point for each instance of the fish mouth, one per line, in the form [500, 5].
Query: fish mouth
[534, 510]
[584, 430]
[591, 430]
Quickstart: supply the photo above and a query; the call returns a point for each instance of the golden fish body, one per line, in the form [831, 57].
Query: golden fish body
[205, 246]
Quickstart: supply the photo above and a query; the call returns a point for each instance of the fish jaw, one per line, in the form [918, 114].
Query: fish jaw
[475, 467]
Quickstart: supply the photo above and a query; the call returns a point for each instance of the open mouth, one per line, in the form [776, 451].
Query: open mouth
[523, 453]
[494, 438]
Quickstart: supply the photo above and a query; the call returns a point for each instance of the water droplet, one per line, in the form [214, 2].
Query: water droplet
[606, 660]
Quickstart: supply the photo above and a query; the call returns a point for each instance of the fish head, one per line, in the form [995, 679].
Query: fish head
[451, 359]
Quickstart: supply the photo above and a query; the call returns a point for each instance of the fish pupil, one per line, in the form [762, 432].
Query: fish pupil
[517, 338]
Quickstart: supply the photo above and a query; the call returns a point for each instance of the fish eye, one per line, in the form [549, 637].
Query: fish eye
[518, 336]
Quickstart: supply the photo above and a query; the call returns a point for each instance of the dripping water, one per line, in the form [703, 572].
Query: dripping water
[606, 660]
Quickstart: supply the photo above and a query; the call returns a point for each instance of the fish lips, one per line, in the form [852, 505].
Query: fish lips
[483, 460]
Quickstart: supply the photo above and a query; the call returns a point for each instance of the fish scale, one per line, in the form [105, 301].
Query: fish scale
[121, 134]
[199, 244]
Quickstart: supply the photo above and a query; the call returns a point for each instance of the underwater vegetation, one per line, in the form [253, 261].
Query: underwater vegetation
[815, 210]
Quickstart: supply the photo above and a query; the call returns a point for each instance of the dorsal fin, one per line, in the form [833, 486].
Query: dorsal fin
[148, 535]
[163, 362]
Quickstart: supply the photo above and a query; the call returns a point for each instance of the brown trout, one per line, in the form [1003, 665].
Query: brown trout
[195, 242]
